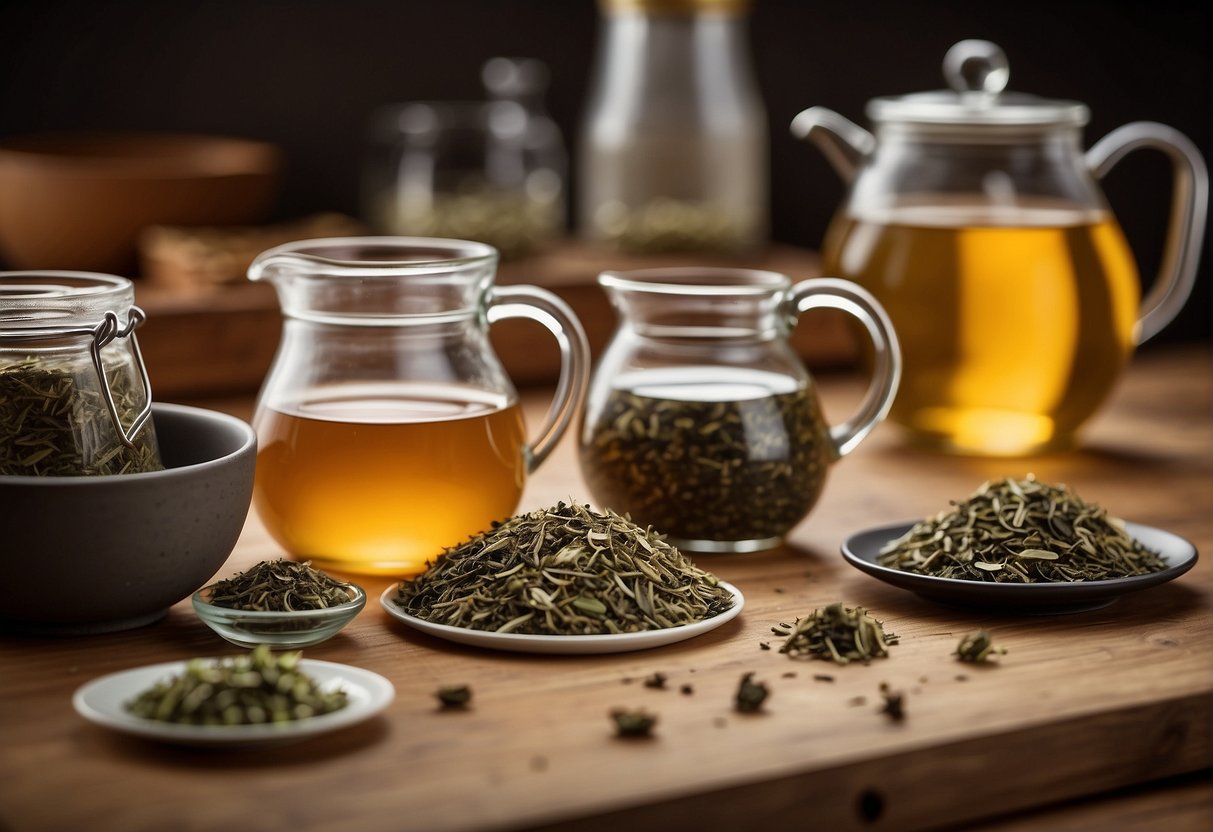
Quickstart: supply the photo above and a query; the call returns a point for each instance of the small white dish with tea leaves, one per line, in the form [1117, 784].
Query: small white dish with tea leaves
[103, 701]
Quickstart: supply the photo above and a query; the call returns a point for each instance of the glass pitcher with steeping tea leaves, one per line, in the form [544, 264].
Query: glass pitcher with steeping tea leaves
[388, 430]
[975, 217]
[701, 420]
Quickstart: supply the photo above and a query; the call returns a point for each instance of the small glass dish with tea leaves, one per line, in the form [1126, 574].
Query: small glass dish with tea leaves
[278, 628]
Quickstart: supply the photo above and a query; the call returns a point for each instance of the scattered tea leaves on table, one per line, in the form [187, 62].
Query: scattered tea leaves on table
[564, 570]
[710, 470]
[280, 586]
[638, 723]
[454, 697]
[1021, 531]
[894, 705]
[686, 690]
[750, 695]
[837, 633]
[55, 422]
[250, 689]
[657, 680]
[977, 648]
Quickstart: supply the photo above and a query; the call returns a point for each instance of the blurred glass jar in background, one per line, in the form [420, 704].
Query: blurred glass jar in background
[673, 153]
[491, 171]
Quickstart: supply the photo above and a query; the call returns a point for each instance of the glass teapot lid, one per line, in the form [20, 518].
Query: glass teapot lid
[977, 72]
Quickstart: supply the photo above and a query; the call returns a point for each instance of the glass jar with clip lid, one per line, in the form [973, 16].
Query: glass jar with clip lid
[75, 398]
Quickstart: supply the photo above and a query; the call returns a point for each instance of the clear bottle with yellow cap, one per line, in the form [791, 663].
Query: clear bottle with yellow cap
[673, 153]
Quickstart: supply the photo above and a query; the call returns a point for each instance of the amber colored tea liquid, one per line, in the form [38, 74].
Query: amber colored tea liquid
[380, 479]
[1014, 323]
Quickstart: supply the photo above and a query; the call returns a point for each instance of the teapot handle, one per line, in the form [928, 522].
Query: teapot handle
[554, 314]
[843, 142]
[1189, 204]
[835, 293]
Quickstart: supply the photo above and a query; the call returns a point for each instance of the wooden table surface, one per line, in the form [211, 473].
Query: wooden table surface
[1082, 706]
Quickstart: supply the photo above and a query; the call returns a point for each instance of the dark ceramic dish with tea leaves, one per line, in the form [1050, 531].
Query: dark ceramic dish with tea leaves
[862, 551]
[102, 553]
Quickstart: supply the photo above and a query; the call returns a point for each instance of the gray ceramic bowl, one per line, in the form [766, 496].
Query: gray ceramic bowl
[97, 554]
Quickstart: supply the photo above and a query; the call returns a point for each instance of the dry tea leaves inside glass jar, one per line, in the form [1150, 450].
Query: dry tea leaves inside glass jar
[75, 399]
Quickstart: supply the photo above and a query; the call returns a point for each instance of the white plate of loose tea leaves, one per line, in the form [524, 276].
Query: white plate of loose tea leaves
[105, 700]
[566, 644]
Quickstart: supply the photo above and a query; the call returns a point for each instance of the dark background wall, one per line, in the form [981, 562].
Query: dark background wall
[306, 74]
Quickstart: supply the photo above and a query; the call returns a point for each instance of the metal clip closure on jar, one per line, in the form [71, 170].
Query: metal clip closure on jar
[68, 356]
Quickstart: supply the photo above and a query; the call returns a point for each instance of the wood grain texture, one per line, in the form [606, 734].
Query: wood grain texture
[1081, 705]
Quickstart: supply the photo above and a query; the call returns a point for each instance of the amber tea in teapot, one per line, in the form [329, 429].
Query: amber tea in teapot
[1018, 298]
[975, 218]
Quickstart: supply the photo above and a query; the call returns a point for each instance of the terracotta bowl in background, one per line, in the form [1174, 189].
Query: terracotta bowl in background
[79, 201]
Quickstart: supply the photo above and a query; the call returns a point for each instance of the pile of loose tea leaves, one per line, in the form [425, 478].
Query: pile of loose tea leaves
[280, 586]
[248, 690]
[564, 570]
[838, 634]
[637, 723]
[1021, 531]
[710, 470]
[977, 648]
[54, 423]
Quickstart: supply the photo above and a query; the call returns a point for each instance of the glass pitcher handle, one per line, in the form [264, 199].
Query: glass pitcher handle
[546, 308]
[1189, 204]
[835, 293]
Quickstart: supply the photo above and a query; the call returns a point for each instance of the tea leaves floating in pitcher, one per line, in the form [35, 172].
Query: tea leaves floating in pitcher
[54, 422]
[736, 470]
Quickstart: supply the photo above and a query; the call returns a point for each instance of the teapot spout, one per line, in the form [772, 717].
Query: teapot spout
[844, 143]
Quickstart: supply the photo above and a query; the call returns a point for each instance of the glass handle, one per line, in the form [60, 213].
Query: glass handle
[1189, 204]
[835, 293]
[546, 308]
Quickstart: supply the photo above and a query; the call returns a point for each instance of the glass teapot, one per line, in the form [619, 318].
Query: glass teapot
[977, 220]
[387, 428]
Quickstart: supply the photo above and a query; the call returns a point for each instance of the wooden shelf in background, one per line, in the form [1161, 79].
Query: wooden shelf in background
[220, 340]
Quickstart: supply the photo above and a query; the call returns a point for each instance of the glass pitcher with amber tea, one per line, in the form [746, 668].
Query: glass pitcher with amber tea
[387, 428]
[976, 218]
[701, 420]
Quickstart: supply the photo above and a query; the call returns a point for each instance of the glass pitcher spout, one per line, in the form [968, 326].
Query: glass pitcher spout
[377, 279]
